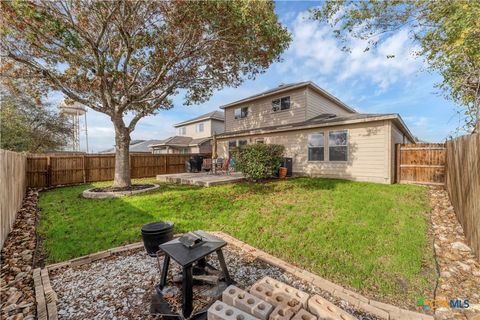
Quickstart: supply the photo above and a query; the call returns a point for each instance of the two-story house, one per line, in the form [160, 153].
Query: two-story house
[322, 135]
[193, 136]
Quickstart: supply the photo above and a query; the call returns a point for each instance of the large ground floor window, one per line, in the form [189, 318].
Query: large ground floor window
[338, 145]
[316, 147]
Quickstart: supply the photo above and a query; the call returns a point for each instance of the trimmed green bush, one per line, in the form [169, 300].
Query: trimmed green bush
[259, 161]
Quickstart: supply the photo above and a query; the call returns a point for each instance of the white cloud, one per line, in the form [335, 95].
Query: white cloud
[316, 52]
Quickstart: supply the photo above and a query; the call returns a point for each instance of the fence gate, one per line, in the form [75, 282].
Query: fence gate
[421, 163]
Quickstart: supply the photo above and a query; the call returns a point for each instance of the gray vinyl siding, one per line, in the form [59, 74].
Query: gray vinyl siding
[318, 104]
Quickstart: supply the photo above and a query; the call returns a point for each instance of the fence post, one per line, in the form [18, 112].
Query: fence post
[49, 172]
[84, 170]
[397, 162]
[166, 163]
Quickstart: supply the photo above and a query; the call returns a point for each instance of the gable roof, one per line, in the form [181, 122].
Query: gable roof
[214, 115]
[180, 141]
[140, 146]
[291, 86]
[325, 120]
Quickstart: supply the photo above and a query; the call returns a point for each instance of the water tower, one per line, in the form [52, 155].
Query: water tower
[75, 111]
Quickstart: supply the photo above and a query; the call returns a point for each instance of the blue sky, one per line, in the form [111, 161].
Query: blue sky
[368, 82]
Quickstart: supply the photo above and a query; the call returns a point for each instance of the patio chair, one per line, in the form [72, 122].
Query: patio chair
[225, 165]
[207, 165]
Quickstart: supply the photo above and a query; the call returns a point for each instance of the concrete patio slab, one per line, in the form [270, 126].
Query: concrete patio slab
[201, 178]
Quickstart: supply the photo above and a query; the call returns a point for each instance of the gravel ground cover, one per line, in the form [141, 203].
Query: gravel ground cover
[17, 298]
[120, 287]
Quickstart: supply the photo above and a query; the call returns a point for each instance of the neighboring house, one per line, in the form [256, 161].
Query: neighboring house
[193, 136]
[322, 135]
[137, 146]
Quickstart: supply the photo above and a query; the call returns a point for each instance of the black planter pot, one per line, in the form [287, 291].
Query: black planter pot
[156, 233]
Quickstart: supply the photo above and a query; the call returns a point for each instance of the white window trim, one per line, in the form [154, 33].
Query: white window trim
[240, 118]
[348, 149]
[197, 127]
[280, 107]
[324, 148]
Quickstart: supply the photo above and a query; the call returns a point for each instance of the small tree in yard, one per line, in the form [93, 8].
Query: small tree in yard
[127, 59]
[26, 126]
[259, 161]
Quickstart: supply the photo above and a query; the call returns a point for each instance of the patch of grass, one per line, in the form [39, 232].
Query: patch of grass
[370, 237]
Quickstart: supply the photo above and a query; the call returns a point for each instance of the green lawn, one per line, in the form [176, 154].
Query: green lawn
[370, 237]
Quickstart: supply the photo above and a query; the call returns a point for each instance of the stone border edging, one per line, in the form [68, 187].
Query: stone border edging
[376, 308]
[88, 194]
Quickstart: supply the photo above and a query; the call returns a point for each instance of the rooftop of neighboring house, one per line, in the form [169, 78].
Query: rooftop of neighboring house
[288, 87]
[140, 146]
[214, 115]
[179, 141]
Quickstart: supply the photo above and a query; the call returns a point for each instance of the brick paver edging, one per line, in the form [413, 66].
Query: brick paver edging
[46, 297]
[376, 308]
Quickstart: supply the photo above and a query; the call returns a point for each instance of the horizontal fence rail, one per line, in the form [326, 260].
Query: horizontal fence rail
[66, 169]
[463, 185]
[421, 163]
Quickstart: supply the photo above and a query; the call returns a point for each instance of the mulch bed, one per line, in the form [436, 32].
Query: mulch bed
[133, 187]
[17, 294]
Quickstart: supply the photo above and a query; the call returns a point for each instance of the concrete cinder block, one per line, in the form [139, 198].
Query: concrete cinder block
[324, 309]
[262, 291]
[294, 293]
[247, 302]
[222, 311]
[303, 314]
[282, 312]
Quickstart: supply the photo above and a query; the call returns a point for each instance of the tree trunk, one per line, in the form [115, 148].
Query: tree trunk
[122, 156]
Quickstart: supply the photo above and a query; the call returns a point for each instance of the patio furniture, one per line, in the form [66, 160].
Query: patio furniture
[187, 250]
[207, 165]
[224, 168]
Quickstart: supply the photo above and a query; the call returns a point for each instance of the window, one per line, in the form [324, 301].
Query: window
[241, 113]
[259, 141]
[337, 145]
[242, 143]
[182, 131]
[232, 144]
[316, 147]
[199, 127]
[281, 104]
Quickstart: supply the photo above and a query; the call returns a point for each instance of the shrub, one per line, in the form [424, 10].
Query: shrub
[259, 161]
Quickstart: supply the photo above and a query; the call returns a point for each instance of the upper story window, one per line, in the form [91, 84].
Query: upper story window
[281, 104]
[199, 127]
[316, 147]
[241, 113]
[338, 145]
[182, 131]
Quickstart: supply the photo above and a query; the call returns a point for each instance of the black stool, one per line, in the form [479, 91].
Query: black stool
[186, 256]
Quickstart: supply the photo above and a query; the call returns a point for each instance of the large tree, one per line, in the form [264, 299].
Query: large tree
[127, 59]
[448, 33]
[26, 126]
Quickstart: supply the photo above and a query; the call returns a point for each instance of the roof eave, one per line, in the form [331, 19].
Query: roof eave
[300, 85]
[320, 125]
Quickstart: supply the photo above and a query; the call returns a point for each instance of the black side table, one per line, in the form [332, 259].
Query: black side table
[186, 257]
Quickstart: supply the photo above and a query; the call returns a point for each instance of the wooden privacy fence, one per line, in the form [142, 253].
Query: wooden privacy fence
[463, 185]
[422, 163]
[46, 170]
[12, 189]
